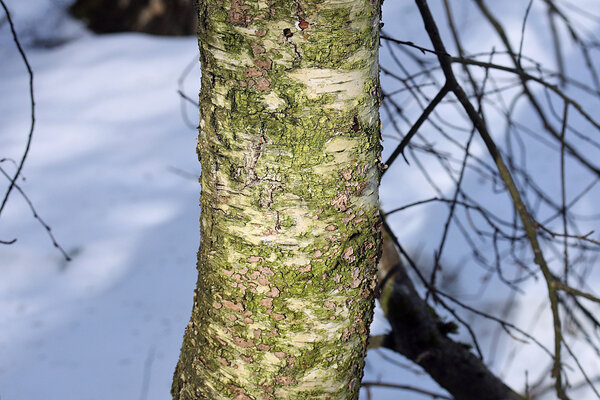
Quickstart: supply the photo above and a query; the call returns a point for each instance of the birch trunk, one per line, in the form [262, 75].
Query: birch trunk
[290, 231]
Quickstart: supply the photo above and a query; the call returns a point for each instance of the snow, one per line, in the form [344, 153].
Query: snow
[113, 171]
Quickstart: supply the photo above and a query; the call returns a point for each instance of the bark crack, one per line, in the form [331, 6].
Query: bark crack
[251, 159]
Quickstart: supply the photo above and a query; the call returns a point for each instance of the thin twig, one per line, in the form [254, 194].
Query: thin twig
[415, 128]
[36, 215]
[526, 220]
[15, 37]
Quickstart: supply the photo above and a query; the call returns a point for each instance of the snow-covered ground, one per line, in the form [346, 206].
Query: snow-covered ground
[112, 170]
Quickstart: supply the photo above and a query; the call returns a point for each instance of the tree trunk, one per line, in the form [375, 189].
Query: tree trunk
[159, 17]
[290, 230]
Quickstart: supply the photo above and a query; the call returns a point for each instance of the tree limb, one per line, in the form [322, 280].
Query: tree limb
[420, 335]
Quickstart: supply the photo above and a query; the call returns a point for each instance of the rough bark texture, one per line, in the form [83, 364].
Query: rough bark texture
[160, 17]
[290, 229]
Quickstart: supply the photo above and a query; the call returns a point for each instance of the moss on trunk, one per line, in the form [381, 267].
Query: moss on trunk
[290, 231]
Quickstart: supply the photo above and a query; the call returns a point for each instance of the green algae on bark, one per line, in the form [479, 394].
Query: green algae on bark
[290, 231]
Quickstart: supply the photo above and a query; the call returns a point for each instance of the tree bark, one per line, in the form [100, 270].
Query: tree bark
[290, 229]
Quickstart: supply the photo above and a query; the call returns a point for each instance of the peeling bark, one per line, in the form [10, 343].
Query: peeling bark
[290, 228]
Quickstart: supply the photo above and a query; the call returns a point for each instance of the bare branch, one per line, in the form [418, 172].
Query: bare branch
[32, 103]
